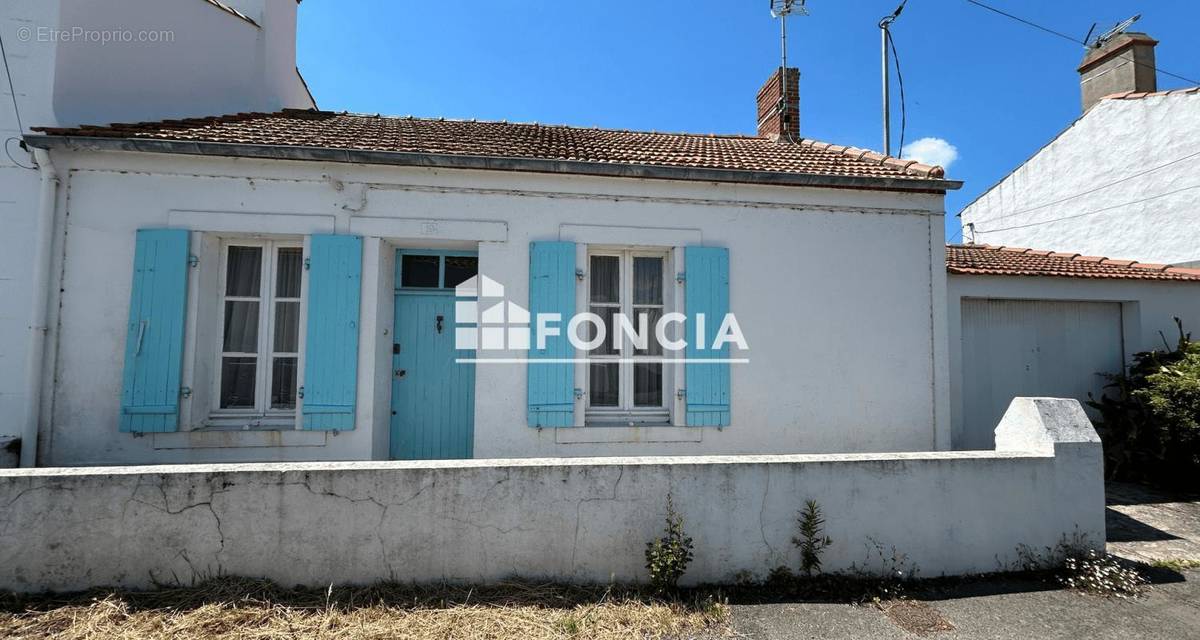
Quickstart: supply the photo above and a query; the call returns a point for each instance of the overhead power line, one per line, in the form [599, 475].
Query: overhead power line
[1077, 41]
[1090, 191]
[1090, 213]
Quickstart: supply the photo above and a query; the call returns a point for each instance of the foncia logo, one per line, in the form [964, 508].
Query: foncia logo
[487, 322]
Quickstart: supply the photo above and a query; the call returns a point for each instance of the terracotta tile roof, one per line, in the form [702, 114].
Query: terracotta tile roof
[1135, 95]
[323, 129]
[982, 259]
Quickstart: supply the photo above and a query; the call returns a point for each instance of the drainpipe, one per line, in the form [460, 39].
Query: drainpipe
[37, 313]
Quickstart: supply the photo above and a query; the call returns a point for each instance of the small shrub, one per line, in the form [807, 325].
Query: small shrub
[1150, 424]
[811, 540]
[667, 558]
[1100, 574]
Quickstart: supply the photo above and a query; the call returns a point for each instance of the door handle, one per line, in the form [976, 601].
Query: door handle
[399, 373]
[439, 323]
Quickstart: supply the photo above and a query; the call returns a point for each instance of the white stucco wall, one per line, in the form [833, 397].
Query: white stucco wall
[211, 62]
[1148, 308]
[1148, 213]
[835, 290]
[580, 520]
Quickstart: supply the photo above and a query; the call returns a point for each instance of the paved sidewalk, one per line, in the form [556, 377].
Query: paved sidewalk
[1144, 526]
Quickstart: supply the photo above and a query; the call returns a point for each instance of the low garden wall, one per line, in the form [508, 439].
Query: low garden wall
[582, 520]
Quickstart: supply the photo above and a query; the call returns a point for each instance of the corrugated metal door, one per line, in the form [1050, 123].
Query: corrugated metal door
[1016, 348]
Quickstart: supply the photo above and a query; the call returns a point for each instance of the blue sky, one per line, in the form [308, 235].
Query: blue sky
[993, 88]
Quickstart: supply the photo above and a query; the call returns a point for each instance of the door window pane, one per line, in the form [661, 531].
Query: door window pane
[647, 281]
[287, 280]
[647, 384]
[241, 326]
[287, 327]
[604, 383]
[237, 382]
[418, 271]
[243, 278]
[459, 269]
[283, 383]
[606, 278]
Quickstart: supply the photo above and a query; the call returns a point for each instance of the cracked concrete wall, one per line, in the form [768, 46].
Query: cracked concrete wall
[577, 519]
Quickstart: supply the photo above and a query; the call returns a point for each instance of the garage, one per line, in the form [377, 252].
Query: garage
[1033, 348]
[1026, 322]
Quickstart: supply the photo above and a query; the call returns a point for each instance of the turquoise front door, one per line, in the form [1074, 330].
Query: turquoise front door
[433, 397]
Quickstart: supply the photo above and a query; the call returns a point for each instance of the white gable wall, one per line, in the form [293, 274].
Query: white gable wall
[1151, 217]
[835, 291]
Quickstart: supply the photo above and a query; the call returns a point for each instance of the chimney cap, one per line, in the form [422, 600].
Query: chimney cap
[1114, 47]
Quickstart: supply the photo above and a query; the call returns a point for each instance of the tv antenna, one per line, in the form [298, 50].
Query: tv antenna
[782, 9]
[1102, 39]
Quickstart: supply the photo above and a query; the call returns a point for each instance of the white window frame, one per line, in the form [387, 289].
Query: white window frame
[625, 412]
[262, 416]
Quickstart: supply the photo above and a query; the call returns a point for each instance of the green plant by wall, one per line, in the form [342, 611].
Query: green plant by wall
[667, 557]
[1150, 422]
[812, 539]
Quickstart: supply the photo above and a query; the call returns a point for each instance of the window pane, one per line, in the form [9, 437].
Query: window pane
[647, 384]
[287, 327]
[243, 276]
[652, 317]
[241, 326]
[589, 330]
[459, 269]
[287, 278]
[237, 382]
[604, 384]
[419, 271]
[606, 278]
[647, 280]
[283, 383]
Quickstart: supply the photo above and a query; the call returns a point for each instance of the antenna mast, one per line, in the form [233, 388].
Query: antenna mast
[782, 9]
[884, 25]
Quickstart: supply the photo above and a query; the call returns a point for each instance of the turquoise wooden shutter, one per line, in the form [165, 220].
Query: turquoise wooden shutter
[551, 290]
[331, 340]
[706, 274]
[154, 340]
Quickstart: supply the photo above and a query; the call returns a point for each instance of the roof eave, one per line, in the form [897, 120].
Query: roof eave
[489, 163]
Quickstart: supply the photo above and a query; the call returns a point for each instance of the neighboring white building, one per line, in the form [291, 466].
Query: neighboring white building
[78, 62]
[1122, 180]
[1036, 323]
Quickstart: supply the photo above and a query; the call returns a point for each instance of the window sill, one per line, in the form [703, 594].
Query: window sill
[217, 438]
[608, 434]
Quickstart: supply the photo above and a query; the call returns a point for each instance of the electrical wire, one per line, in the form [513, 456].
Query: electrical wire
[900, 81]
[1092, 190]
[1090, 213]
[16, 109]
[1075, 40]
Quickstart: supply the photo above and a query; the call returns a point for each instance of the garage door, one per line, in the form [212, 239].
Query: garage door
[1016, 348]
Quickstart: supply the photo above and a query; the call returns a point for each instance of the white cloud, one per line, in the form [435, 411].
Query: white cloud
[933, 151]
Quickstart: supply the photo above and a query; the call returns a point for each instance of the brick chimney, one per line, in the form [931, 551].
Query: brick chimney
[1124, 63]
[770, 97]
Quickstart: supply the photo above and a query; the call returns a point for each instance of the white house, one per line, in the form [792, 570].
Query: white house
[278, 284]
[1121, 180]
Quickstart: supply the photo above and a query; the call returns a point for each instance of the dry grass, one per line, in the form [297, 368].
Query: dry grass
[251, 609]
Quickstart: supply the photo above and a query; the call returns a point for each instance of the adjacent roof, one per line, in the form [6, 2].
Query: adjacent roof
[557, 148]
[982, 259]
[1136, 95]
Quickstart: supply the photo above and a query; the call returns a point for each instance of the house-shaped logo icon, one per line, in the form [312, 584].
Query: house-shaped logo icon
[484, 320]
